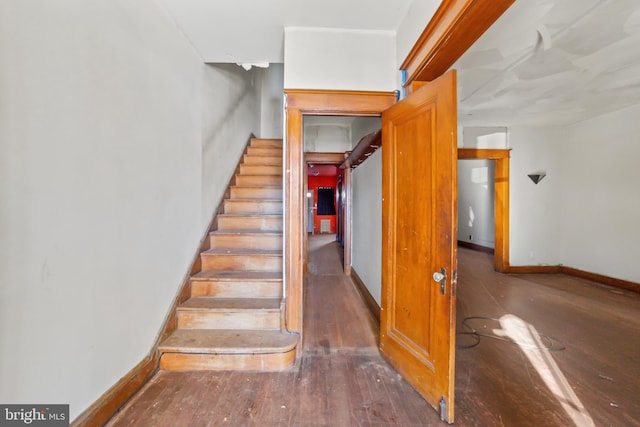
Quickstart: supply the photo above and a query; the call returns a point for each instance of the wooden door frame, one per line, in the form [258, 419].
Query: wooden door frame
[501, 200]
[334, 159]
[298, 104]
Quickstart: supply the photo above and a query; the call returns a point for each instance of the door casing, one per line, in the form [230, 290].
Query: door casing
[298, 104]
[501, 202]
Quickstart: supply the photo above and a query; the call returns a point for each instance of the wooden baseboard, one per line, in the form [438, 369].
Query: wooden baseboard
[476, 247]
[611, 281]
[546, 269]
[109, 403]
[533, 269]
[369, 301]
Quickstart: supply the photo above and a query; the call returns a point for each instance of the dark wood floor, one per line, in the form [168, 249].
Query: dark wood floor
[591, 376]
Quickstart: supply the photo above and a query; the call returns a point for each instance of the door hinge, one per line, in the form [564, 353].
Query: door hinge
[443, 409]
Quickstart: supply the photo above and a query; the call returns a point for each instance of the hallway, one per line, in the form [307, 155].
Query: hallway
[341, 380]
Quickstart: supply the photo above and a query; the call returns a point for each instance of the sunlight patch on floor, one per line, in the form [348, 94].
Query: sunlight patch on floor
[529, 341]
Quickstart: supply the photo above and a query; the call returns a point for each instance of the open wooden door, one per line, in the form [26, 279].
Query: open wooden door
[419, 163]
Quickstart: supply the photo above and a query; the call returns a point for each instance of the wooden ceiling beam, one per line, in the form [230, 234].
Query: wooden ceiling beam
[455, 26]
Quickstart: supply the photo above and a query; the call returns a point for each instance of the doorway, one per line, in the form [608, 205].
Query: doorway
[500, 158]
[327, 142]
[476, 195]
[422, 104]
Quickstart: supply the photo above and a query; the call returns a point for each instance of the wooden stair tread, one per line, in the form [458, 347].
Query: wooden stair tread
[244, 276]
[228, 341]
[213, 303]
[244, 200]
[242, 251]
[250, 215]
[248, 232]
[273, 186]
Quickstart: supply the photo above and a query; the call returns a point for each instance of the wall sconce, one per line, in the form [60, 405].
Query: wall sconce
[537, 177]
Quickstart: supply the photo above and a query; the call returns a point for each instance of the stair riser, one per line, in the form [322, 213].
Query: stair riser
[215, 362]
[262, 160]
[259, 180]
[266, 143]
[245, 241]
[220, 262]
[256, 193]
[241, 319]
[239, 289]
[264, 151]
[249, 223]
[261, 170]
[253, 207]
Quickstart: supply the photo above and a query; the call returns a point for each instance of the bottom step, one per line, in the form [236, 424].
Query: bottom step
[248, 350]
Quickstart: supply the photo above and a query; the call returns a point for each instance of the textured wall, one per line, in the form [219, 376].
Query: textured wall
[102, 117]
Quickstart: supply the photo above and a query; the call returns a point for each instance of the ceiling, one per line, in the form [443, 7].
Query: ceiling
[252, 31]
[552, 62]
[545, 62]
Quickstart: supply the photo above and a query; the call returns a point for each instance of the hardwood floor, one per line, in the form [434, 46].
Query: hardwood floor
[595, 380]
[342, 381]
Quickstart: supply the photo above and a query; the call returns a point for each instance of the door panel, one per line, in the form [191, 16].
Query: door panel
[417, 333]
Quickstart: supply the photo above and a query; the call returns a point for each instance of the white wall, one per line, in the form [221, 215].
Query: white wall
[600, 200]
[535, 232]
[322, 58]
[492, 137]
[101, 187]
[583, 214]
[327, 138]
[362, 126]
[476, 196]
[272, 101]
[416, 19]
[231, 113]
[366, 253]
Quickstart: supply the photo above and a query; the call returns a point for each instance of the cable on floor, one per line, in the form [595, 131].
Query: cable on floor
[549, 343]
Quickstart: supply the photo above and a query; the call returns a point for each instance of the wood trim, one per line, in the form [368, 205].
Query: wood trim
[484, 153]
[340, 102]
[368, 299]
[414, 86]
[534, 269]
[570, 271]
[335, 158]
[294, 231]
[563, 269]
[367, 145]
[112, 400]
[455, 26]
[611, 281]
[315, 102]
[501, 202]
[501, 212]
[475, 247]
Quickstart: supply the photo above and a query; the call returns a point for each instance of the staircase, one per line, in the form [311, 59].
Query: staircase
[234, 318]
